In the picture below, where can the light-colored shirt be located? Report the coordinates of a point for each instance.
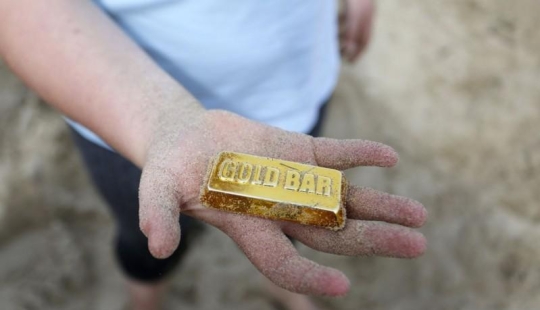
(272, 61)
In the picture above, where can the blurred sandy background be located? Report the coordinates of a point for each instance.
(454, 86)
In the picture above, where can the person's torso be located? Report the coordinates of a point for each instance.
(271, 61)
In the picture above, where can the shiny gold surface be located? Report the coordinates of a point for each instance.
(275, 189)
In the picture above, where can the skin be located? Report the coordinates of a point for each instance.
(91, 71)
(355, 27)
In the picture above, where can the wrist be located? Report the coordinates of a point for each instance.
(164, 123)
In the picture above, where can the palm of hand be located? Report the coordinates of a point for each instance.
(174, 173)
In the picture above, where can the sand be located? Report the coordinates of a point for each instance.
(452, 86)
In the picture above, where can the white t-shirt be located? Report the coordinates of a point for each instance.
(273, 61)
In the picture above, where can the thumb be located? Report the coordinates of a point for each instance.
(159, 210)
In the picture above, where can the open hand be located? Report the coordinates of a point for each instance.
(377, 224)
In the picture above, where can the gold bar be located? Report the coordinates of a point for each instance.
(275, 189)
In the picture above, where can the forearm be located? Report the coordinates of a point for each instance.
(80, 62)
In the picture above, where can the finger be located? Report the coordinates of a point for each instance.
(349, 153)
(355, 47)
(362, 36)
(361, 238)
(159, 202)
(368, 204)
(275, 257)
(351, 50)
(365, 36)
(352, 30)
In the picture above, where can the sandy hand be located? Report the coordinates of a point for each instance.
(377, 224)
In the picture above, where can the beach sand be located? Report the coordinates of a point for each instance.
(453, 86)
